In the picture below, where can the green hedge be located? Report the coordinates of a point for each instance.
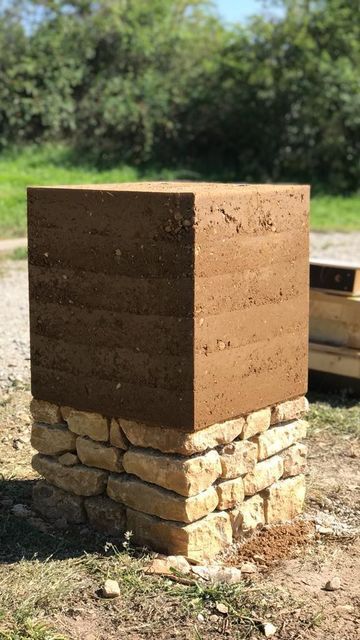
(165, 82)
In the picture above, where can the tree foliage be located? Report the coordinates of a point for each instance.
(166, 82)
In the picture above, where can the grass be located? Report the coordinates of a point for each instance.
(335, 413)
(56, 165)
(336, 213)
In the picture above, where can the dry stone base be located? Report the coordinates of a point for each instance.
(52, 440)
(80, 480)
(294, 459)
(186, 444)
(88, 424)
(263, 475)
(179, 493)
(279, 438)
(106, 516)
(68, 459)
(285, 499)
(187, 476)
(257, 422)
(46, 412)
(94, 454)
(199, 541)
(230, 493)
(289, 410)
(117, 436)
(160, 502)
(237, 458)
(247, 516)
(56, 504)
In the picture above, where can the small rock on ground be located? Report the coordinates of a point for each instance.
(333, 585)
(269, 629)
(111, 589)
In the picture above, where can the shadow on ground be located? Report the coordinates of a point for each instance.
(20, 539)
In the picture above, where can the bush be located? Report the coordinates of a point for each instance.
(167, 82)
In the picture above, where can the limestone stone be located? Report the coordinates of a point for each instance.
(106, 516)
(257, 422)
(53, 439)
(94, 454)
(88, 424)
(198, 541)
(111, 589)
(187, 476)
(263, 475)
(160, 502)
(237, 458)
(294, 459)
(117, 437)
(65, 412)
(230, 493)
(68, 459)
(279, 438)
(289, 410)
(247, 515)
(43, 411)
(285, 499)
(80, 480)
(186, 444)
(54, 503)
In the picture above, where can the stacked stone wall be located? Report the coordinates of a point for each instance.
(178, 493)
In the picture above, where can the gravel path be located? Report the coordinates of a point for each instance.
(337, 246)
(14, 326)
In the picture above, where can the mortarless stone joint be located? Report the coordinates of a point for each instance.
(194, 500)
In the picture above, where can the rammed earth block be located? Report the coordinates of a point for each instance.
(176, 305)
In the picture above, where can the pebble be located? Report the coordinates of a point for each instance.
(111, 589)
(269, 630)
(248, 567)
(166, 565)
(325, 531)
(345, 608)
(229, 575)
(333, 585)
(221, 608)
(21, 511)
(200, 618)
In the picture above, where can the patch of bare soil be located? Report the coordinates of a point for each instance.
(272, 544)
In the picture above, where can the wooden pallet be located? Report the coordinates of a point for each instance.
(342, 278)
(334, 319)
(340, 361)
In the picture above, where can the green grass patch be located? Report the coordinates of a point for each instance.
(335, 413)
(335, 213)
(54, 165)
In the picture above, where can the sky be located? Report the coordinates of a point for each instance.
(235, 10)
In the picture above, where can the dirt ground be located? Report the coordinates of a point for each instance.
(50, 579)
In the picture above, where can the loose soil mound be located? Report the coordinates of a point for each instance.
(269, 546)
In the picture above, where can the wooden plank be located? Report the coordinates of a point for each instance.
(337, 360)
(341, 277)
(334, 319)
